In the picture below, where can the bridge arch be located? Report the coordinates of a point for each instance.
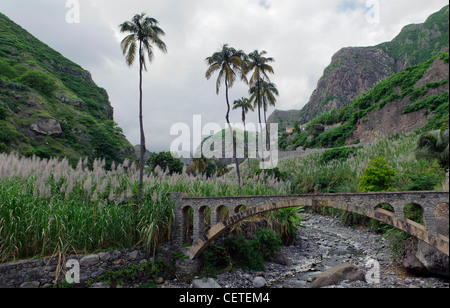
(434, 205)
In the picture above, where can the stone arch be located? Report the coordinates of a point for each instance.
(385, 206)
(204, 221)
(222, 213)
(441, 213)
(240, 208)
(414, 212)
(188, 224)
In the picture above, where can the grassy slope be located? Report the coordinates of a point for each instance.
(71, 98)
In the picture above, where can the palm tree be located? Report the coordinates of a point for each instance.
(434, 145)
(230, 63)
(246, 106)
(267, 92)
(258, 63)
(144, 33)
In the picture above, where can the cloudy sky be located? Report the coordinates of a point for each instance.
(302, 36)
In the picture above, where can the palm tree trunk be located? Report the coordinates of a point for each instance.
(246, 147)
(268, 139)
(141, 121)
(238, 173)
(261, 128)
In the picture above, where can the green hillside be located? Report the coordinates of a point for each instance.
(417, 42)
(423, 88)
(50, 106)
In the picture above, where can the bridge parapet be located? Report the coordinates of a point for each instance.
(434, 205)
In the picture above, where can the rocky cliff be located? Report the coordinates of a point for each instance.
(352, 72)
(50, 106)
(355, 70)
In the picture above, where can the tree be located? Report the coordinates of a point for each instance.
(230, 63)
(377, 177)
(144, 33)
(246, 106)
(434, 145)
(165, 160)
(258, 66)
(267, 94)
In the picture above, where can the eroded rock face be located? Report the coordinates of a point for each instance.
(48, 127)
(353, 71)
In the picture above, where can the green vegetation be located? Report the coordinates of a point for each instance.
(409, 43)
(377, 177)
(38, 83)
(393, 89)
(165, 160)
(248, 254)
(48, 207)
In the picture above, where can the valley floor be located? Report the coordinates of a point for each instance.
(326, 242)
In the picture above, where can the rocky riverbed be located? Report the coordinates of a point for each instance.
(325, 243)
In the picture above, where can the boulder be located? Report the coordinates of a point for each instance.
(259, 282)
(423, 259)
(48, 127)
(205, 284)
(281, 259)
(338, 274)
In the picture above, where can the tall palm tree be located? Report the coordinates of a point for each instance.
(144, 33)
(230, 63)
(258, 66)
(246, 106)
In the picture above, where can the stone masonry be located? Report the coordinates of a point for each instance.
(239, 208)
(44, 273)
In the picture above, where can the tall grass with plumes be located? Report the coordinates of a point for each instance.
(48, 208)
(342, 176)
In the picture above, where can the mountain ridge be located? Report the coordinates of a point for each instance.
(50, 106)
(355, 70)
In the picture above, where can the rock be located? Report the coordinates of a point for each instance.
(48, 127)
(133, 255)
(89, 260)
(280, 258)
(104, 256)
(30, 285)
(259, 282)
(205, 284)
(338, 274)
(187, 269)
(434, 261)
(160, 280)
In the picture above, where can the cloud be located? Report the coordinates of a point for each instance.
(302, 36)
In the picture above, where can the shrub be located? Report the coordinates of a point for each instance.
(38, 81)
(244, 253)
(215, 259)
(3, 111)
(340, 154)
(267, 242)
(377, 177)
(165, 160)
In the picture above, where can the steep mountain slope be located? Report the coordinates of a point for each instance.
(415, 99)
(355, 70)
(50, 106)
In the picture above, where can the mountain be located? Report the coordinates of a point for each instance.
(50, 106)
(416, 99)
(355, 70)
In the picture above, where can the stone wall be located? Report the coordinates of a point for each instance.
(43, 273)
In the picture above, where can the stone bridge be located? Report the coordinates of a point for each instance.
(224, 212)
